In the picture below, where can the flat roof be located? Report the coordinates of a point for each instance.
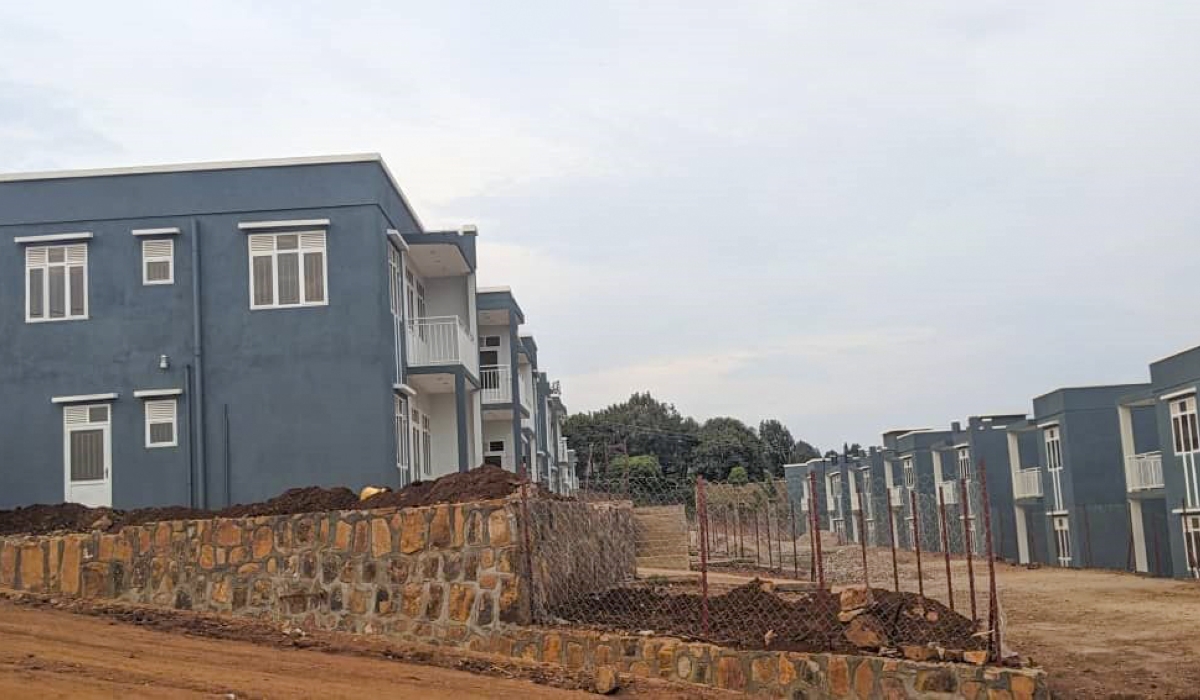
(217, 165)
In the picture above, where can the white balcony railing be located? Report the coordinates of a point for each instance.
(562, 451)
(497, 383)
(441, 340)
(896, 496)
(1027, 483)
(1144, 472)
(949, 492)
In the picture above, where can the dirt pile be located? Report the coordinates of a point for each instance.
(484, 483)
(753, 617)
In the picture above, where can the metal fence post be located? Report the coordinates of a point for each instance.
(862, 537)
(917, 543)
(818, 565)
(892, 536)
(993, 604)
(946, 545)
(966, 518)
(795, 547)
(702, 512)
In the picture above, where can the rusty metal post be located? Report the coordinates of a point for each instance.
(966, 518)
(917, 543)
(757, 546)
(795, 547)
(892, 536)
(862, 537)
(770, 551)
(946, 545)
(817, 563)
(725, 528)
(737, 511)
(993, 600)
(1087, 540)
(702, 512)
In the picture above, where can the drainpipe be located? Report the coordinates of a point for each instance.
(198, 369)
(190, 388)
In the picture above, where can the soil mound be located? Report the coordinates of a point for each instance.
(485, 483)
(751, 617)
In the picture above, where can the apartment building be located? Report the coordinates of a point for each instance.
(1083, 475)
(507, 400)
(208, 334)
(1029, 506)
(1161, 473)
(800, 492)
(910, 455)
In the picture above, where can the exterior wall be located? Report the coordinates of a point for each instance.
(1180, 372)
(988, 440)
(443, 416)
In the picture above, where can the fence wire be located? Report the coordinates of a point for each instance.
(773, 565)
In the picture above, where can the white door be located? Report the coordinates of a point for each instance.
(87, 454)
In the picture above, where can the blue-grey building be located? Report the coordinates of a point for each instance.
(800, 493)
(504, 363)
(1145, 489)
(911, 457)
(1172, 398)
(215, 333)
(1083, 480)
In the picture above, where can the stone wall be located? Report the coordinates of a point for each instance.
(442, 572)
(767, 673)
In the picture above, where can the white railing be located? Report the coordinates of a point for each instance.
(1027, 483)
(1144, 471)
(949, 492)
(497, 383)
(896, 496)
(562, 451)
(441, 340)
(527, 392)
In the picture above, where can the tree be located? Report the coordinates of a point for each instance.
(725, 443)
(803, 452)
(642, 425)
(738, 476)
(778, 445)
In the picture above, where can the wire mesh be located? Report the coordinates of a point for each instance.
(769, 565)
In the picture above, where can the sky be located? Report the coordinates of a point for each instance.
(851, 216)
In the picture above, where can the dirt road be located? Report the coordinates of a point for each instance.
(55, 654)
(1102, 634)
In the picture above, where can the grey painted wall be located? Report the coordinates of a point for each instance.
(308, 390)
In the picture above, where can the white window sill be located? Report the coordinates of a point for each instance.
(162, 445)
(55, 320)
(290, 306)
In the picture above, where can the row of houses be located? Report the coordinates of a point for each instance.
(1098, 476)
(212, 334)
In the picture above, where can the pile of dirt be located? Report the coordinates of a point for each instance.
(485, 483)
(753, 617)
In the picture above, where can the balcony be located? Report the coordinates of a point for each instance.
(563, 456)
(949, 492)
(1144, 472)
(896, 496)
(441, 340)
(497, 383)
(1027, 483)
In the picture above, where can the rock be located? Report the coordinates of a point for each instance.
(917, 653)
(854, 598)
(102, 523)
(866, 632)
(369, 491)
(978, 658)
(607, 680)
(848, 615)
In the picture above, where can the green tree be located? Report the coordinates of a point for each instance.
(738, 476)
(725, 443)
(778, 445)
(642, 425)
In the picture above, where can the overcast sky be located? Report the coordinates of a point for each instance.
(852, 216)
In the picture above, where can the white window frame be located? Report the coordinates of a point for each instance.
(909, 470)
(1185, 443)
(1054, 461)
(422, 442)
(1062, 539)
(78, 249)
(300, 250)
(400, 405)
(966, 470)
(174, 421)
(148, 258)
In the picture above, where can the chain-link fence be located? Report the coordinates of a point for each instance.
(779, 564)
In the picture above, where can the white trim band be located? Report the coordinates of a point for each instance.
(155, 393)
(290, 223)
(405, 389)
(1048, 424)
(53, 237)
(166, 231)
(1177, 394)
(83, 398)
(397, 240)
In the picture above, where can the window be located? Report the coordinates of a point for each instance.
(1184, 434)
(1054, 463)
(1191, 543)
(56, 282)
(428, 446)
(966, 470)
(910, 473)
(160, 423)
(1062, 537)
(422, 443)
(403, 456)
(287, 270)
(496, 446)
(158, 261)
(489, 353)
